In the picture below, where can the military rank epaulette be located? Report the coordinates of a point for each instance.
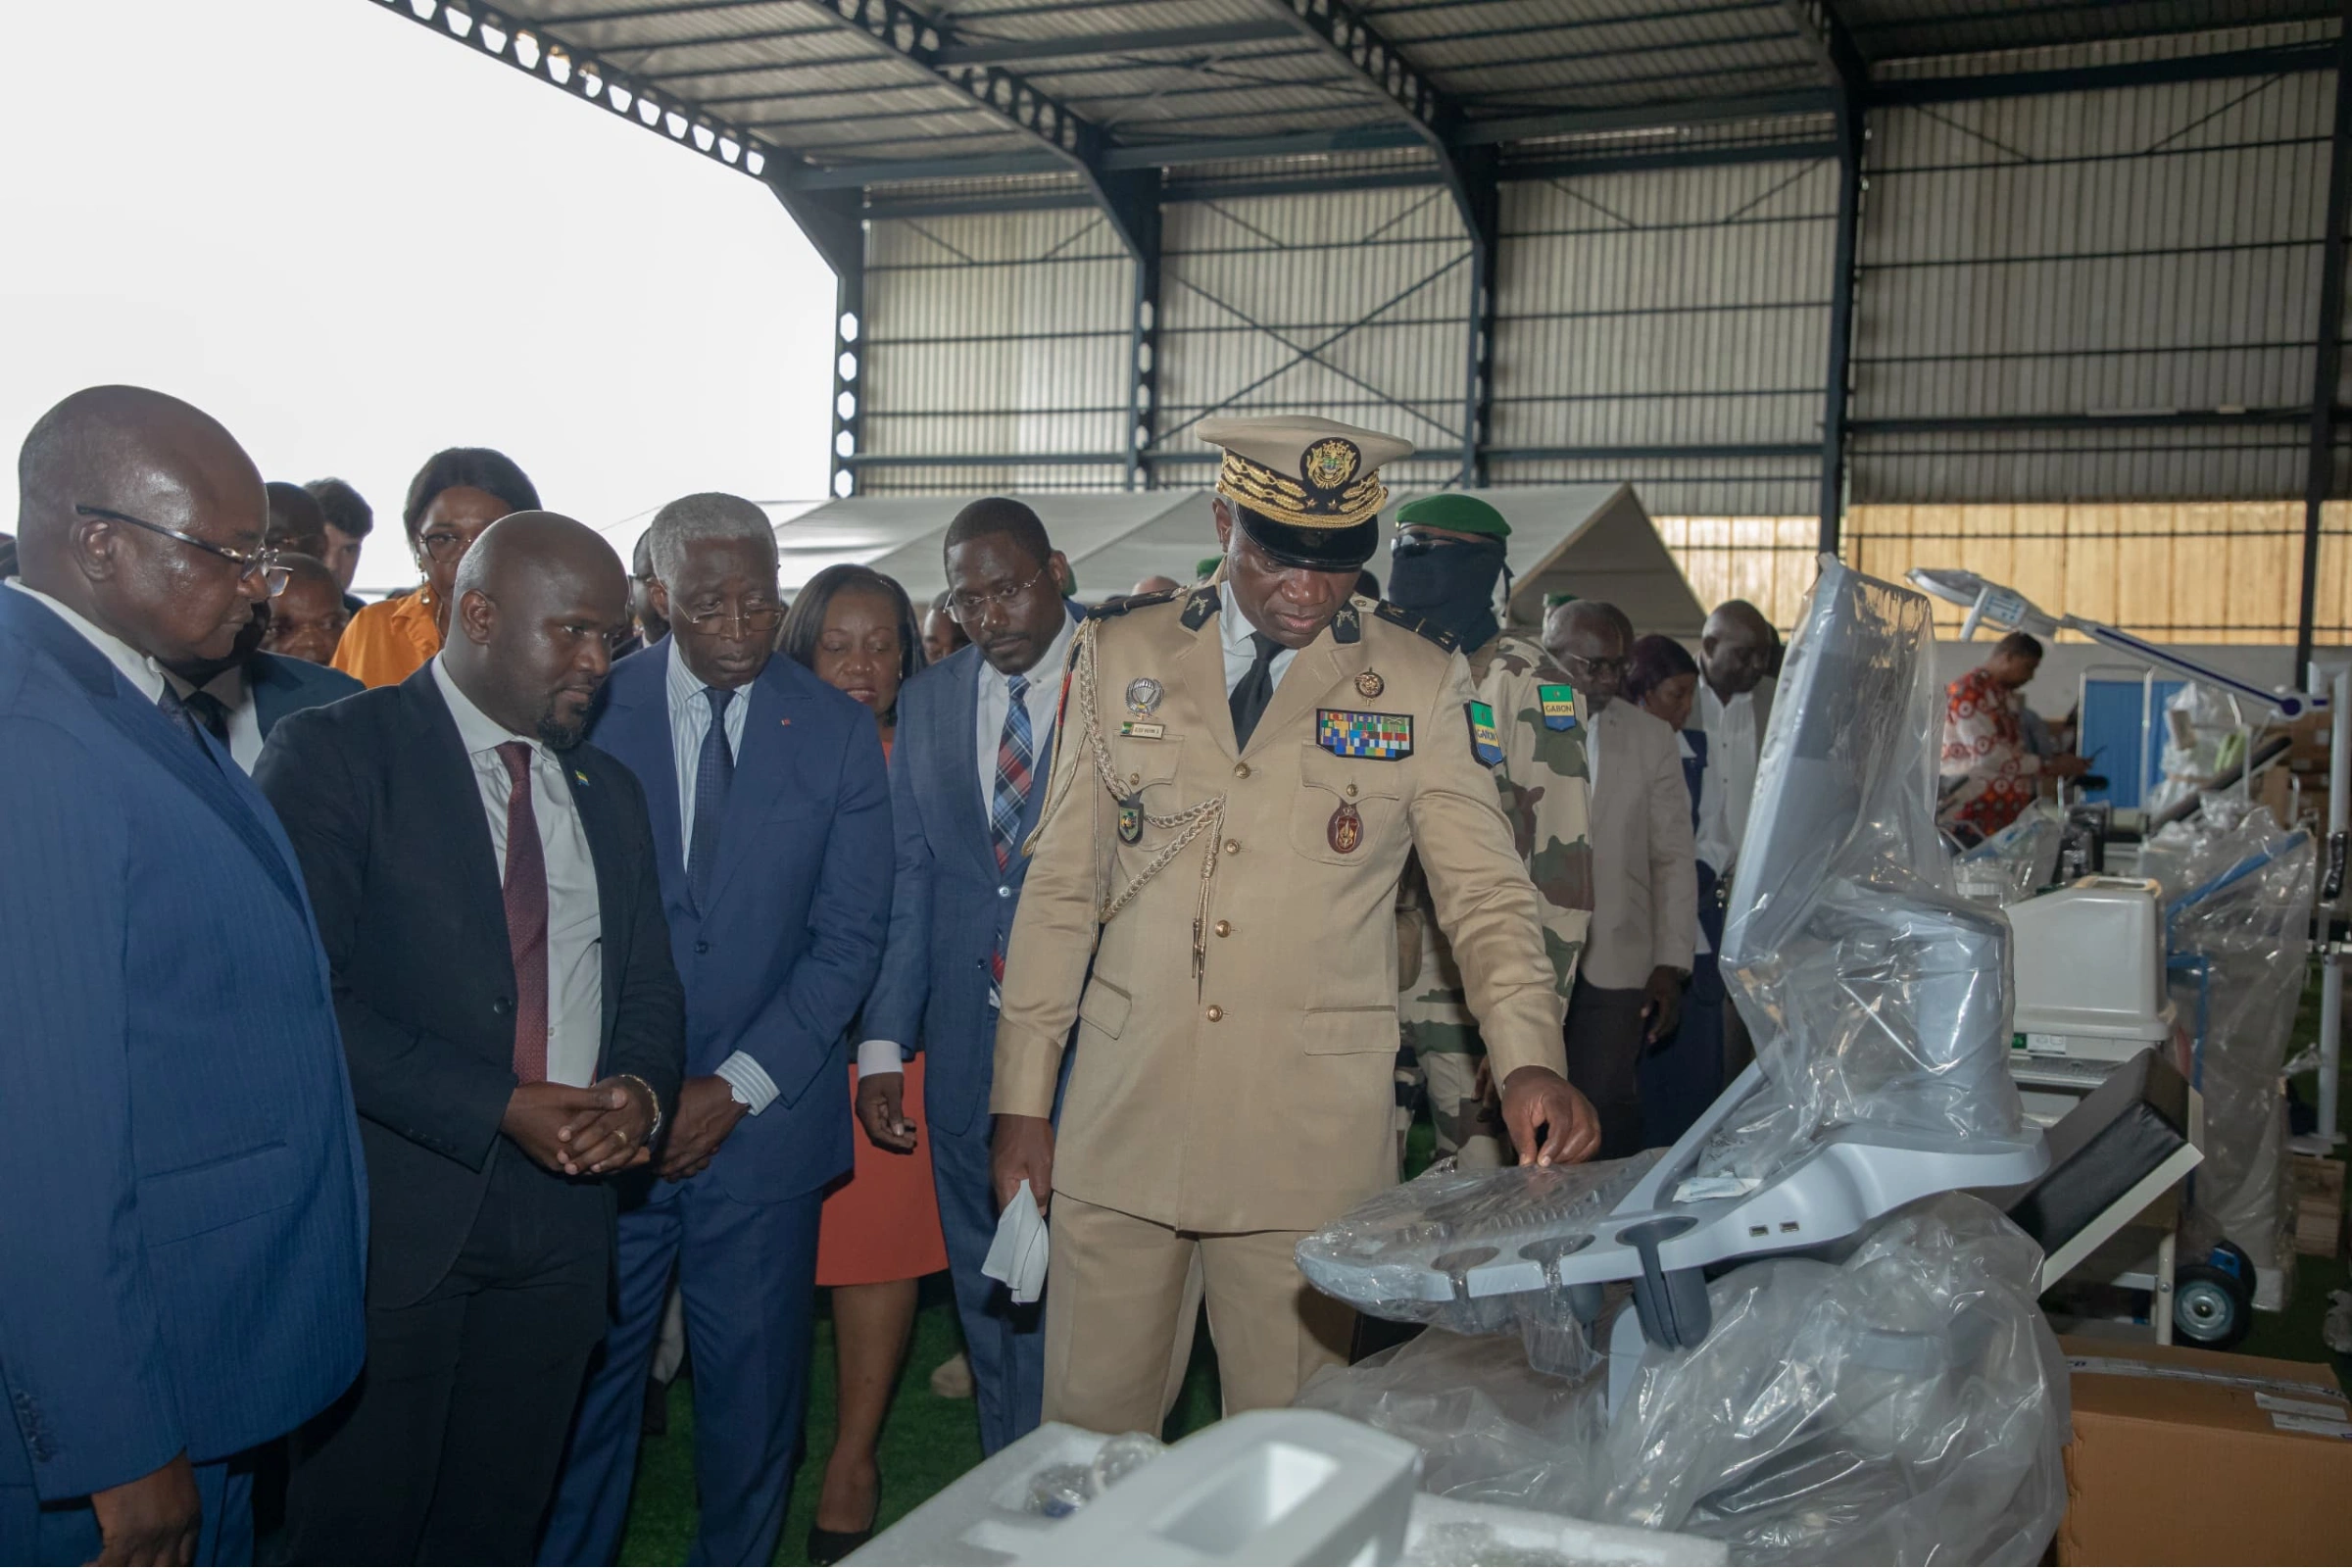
(1411, 622)
(1348, 626)
(1126, 602)
(1201, 606)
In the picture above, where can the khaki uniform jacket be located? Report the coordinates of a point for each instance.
(1242, 1079)
(1545, 784)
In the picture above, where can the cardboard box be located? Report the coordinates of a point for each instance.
(2188, 1456)
(2319, 1213)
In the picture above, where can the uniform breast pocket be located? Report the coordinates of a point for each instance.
(1347, 808)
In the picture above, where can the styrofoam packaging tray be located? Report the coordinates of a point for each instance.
(983, 1517)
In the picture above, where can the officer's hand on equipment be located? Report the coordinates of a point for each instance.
(1023, 1151)
(1549, 1122)
(1664, 1009)
(882, 1111)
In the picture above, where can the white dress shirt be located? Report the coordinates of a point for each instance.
(1233, 631)
(145, 675)
(235, 693)
(1729, 785)
(1040, 699)
(1593, 749)
(748, 1083)
(575, 976)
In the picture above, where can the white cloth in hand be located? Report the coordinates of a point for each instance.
(1017, 1256)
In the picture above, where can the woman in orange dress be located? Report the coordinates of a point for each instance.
(455, 496)
(880, 1232)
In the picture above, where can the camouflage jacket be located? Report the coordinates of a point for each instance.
(1547, 792)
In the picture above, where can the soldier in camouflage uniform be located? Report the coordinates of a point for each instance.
(1448, 561)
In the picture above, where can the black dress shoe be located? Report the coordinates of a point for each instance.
(831, 1545)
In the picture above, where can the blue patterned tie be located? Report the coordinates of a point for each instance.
(713, 774)
(1014, 758)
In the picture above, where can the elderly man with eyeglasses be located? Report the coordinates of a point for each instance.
(771, 835)
(181, 1183)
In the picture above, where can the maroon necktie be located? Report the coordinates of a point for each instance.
(527, 916)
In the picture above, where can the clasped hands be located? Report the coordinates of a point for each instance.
(582, 1132)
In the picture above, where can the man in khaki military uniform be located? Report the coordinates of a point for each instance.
(1243, 769)
(1446, 566)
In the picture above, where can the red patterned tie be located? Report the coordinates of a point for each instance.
(527, 916)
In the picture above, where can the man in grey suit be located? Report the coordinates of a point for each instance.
(1645, 880)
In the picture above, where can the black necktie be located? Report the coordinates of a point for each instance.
(209, 711)
(714, 775)
(1256, 690)
(182, 720)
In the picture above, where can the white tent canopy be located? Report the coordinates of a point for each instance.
(1592, 540)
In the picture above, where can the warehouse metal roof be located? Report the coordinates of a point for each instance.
(1027, 98)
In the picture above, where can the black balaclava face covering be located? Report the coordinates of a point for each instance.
(1450, 581)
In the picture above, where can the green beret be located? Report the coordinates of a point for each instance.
(1207, 565)
(1556, 600)
(1461, 514)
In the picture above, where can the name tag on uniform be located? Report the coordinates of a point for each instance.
(1136, 730)
(1559, 706)
(1485, 740)
(1376, 737)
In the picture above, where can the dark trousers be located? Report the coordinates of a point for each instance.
(1604, 1054)
(34, 1532)
(1007, 1343)
(1682, 1077)
(445, 1450)
(749, 1275)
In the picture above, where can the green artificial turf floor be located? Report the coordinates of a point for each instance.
(928, 1441)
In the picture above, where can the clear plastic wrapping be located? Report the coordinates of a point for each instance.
(1874, 994)
(2241, 893)
(1907, 1405)
(2014, 863)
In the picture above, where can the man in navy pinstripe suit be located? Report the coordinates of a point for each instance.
(181, 1201)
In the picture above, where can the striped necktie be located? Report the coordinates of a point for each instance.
(1015, 755)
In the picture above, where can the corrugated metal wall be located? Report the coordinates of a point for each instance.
(1646, 312)
(995, 333)
(1349, 305)
(2124, 254)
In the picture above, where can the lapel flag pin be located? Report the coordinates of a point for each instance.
(582, 777)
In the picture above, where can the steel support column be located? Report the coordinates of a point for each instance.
(1479, 172)
(1832, 46)
(1142, 191)
(833, 221)
(2328, 356)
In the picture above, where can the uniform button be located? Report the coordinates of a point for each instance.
(1233, 846)
(1135, 778)
(702, 948)
(502, 1007)
(1224, 928)
(1241, 770)
(1003, 893)
(1216, 1014)
(1351, 792)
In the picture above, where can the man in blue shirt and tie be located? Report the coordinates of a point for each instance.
(771, 825)
(973, 750)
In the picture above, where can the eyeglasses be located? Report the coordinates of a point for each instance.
(446, 548)
(1600, 667)
(966, 609)
(750, 618)
(261, 562)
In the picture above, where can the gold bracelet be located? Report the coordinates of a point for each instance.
(631, 1077)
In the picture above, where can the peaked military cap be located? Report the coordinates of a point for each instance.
(1309, 489)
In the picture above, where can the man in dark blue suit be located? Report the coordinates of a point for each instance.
(771, 826)
(967, 776)
(181, 1204)
(240, 698)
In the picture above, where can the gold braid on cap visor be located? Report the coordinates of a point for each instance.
(1282, 499)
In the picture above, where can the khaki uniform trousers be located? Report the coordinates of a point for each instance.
(1114, 1318)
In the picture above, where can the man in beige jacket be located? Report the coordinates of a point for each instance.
(1243, 769)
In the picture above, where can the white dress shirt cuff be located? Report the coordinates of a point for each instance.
(879, 1055)
(748, 1082)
